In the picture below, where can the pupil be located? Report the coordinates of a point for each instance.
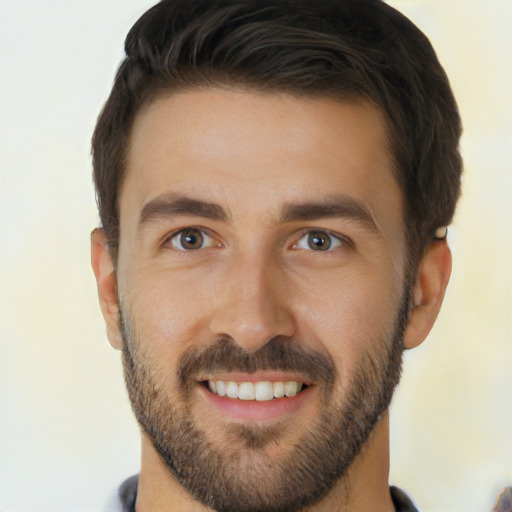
(192, 239)
(319, 241)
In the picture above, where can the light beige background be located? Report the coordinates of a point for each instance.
(67, 437)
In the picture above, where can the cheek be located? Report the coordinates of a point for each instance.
(352, 315)
(167, 311)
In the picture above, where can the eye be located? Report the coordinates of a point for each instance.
(318, 241)
(192, 239)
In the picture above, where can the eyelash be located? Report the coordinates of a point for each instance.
(173, 238)
(336, 240)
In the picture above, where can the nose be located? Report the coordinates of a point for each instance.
(253, 305)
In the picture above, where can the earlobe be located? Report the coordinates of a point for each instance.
(106, 280)
(428, 292)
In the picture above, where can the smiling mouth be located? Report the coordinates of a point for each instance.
(263, 391)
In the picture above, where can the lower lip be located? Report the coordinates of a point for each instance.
(253, 410)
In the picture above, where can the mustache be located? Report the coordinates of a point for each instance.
(224, 355)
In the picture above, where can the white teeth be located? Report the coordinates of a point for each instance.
(232, 389)
(259, 391)
(278, 389)
(264, 391)
(246, 391)
(221, 388)
(290, 389)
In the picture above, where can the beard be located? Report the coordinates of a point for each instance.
(244, 468)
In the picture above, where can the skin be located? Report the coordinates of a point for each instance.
(257, 278)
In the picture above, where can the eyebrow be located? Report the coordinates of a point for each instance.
(170, 205)
(334, 207)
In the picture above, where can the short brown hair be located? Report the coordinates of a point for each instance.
(338, 48)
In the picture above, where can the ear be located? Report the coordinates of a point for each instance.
(106, 280)
(428, 293)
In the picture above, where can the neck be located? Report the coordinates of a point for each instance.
(364, 488)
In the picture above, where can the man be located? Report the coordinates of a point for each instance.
(274, 180)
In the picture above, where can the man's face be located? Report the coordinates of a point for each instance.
(262, 252)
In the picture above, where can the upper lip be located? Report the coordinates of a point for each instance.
(258, 376)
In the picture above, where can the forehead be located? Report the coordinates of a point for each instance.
(254, 152)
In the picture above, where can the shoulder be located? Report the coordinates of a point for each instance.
(401, 501)
(124, 499)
